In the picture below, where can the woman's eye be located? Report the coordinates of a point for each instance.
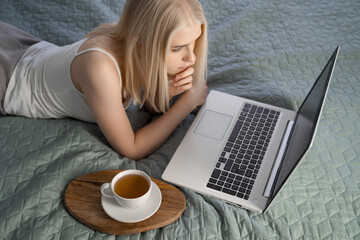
(176, 49)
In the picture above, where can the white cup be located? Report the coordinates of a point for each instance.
(108, 190)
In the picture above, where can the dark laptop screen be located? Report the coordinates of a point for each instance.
(305, 124)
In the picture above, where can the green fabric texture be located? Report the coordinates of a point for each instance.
(266, 50)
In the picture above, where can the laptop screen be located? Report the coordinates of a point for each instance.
(305, 124)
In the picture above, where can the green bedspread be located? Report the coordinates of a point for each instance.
(267, 50)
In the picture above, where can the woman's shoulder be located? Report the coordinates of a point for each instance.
(96, 60)
(99, 50)
(104, 43)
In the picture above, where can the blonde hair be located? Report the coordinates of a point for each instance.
(144, 33)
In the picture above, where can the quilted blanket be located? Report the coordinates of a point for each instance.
(267, 50)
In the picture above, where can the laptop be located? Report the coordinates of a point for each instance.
(242, 151)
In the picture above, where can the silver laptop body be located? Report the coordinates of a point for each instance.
(200, 161)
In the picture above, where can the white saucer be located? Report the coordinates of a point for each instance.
(115, 211)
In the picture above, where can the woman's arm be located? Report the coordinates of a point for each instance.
(151, 136)
(98, 79)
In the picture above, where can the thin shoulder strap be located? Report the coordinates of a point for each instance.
(107, 54)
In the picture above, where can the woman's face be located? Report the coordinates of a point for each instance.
(181, 54)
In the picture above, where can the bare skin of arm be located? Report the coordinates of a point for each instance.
(95, 75)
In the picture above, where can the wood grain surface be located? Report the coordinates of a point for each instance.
(83, 201)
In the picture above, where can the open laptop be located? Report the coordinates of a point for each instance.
(242, 151)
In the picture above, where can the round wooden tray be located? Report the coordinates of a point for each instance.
(83, 201)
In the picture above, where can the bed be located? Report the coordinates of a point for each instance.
(266, 50)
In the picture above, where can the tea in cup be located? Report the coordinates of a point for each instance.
(130, 188)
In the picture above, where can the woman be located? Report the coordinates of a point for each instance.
(156, 51)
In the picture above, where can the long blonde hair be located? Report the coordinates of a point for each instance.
(144, 33)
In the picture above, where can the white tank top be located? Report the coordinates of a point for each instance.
(41, 85)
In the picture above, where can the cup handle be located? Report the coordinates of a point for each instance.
(106, 190)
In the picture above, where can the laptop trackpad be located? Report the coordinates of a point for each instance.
(213, 125)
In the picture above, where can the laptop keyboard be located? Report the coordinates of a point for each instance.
(241, 158)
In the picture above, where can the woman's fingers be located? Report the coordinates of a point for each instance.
(184, 87)
(181, 75)
(183, 81)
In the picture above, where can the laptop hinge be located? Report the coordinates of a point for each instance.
(278, 159)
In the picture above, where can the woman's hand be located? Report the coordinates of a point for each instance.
(195, 96)
(180, 82)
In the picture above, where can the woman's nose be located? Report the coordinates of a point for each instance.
(189, 56)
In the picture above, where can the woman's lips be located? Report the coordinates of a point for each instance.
(183, 68)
